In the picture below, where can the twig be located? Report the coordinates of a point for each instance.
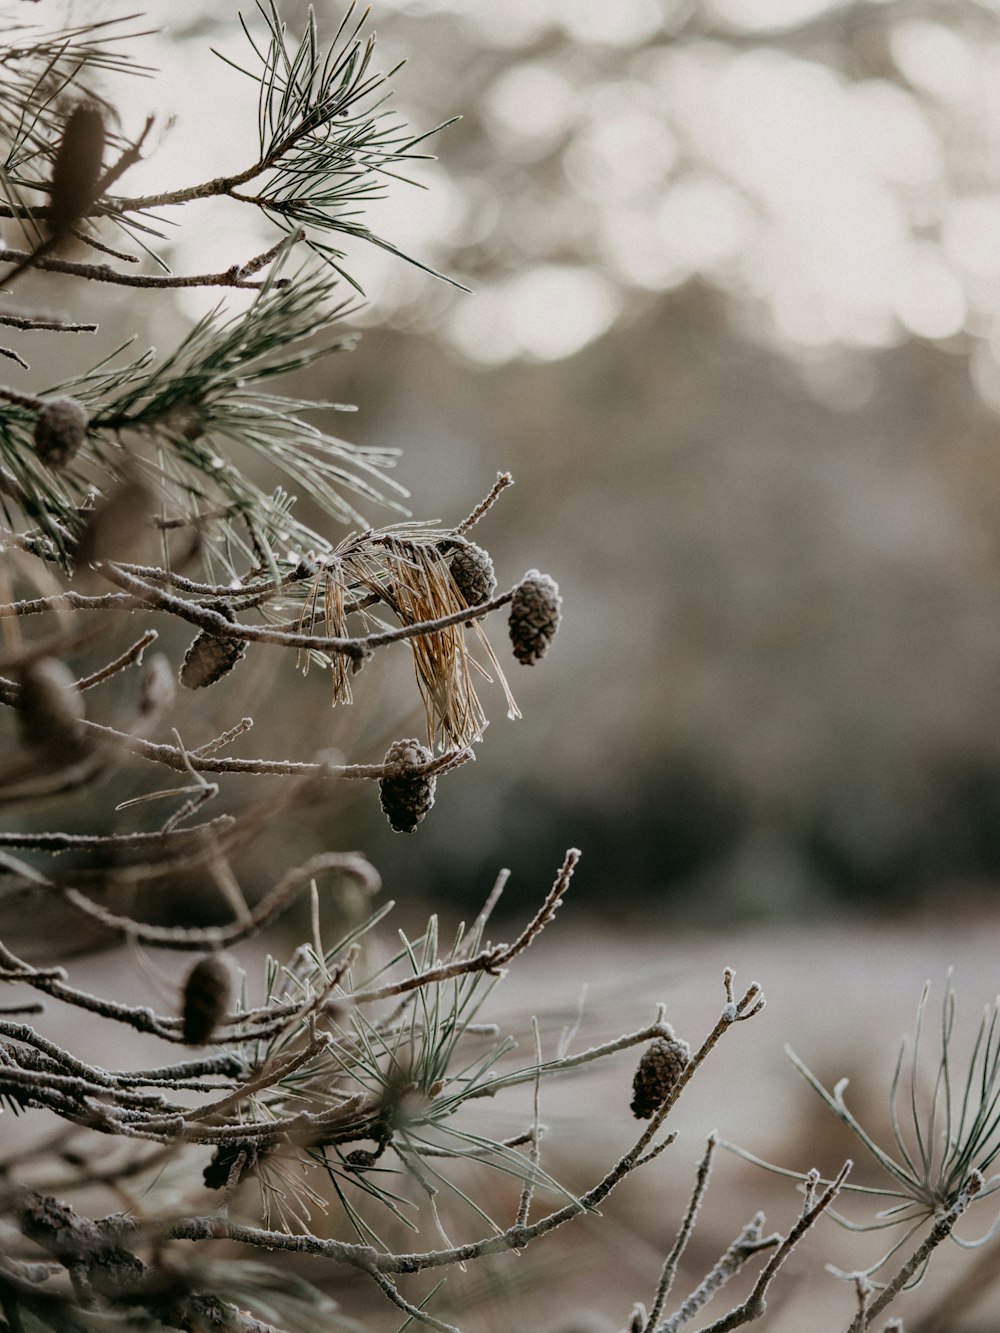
(748, 1243)
(171, 756)
(48, 324)
(683, 1235)
(504, 479)
(95, 244)
(130, 655)
(357, 648)
(528, 1190)
(257, 585)
(73, 601)
(943, 1226)
(231, 277)
(755, 1304)
(64, 842)
(565, 1064)
(224, 739)
(217, 937)
(490, 960)
(52, 981)
(413, 1311)
(862, 1291)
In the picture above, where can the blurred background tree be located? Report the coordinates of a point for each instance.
(736, 268)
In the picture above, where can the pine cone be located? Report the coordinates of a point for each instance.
(211, 656)
(472, 570)
(77, 169)
(49, 709)
(663, 1061)
(216, 1174)
(60, 430)
(407, 795)
(534, 616)
(206, 998)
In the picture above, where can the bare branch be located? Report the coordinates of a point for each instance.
(683, 1235)
(755, 1304)
(231, 277)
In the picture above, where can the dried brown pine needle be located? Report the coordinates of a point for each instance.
(420, 587)
(336, 623)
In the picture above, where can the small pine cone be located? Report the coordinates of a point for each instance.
(361, 1158)
(216, 1174)
(206, 998)
(60, 430)
(211, 656)
(49, 708)
(187, 420)
(663, 1061)
(77, 169)
(472, 570)
(406, 796)
(534, 616)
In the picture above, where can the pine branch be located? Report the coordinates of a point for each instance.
(326, 147)
(235, 276)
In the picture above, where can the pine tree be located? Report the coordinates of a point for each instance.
(325, 1101)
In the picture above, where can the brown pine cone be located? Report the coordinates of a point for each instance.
(662, 1063)
(407, 795)
(60, 430)
(77, 169)
(472, 570)
(206, 998)
(224, 1158)
(49, 709)
(211, 656)
(534, 616)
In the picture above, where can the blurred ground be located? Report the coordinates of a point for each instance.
(842, 994)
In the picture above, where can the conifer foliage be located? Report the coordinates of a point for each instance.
(182, 1151)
